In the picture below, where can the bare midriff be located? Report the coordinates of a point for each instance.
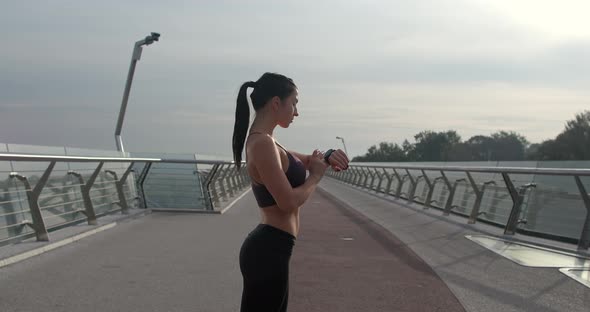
(286, 221)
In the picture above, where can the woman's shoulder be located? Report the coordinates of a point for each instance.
(259, 145)
(259, 139)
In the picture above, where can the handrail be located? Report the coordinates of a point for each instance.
(33, 192)
(357, 172)
(35, 157)
(513, 170)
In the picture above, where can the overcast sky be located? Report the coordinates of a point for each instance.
(368, 71)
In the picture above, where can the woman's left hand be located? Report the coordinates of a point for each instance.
(338, 160)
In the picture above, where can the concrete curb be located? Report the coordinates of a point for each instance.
(46, 248)
(29, 248)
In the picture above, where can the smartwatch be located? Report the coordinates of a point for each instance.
(327, 155)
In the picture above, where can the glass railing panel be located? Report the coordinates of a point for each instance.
(464, 197)
(11, 208)
(60, 202)
(373, 181)
(440, 194)
(496, 203)
(421, 191)
(555, 205)
(57, 199)
(521, 181)
(407, 181)
(173, 186)
(394, 182)
(104, 193)
(500, 202)
(14, 206)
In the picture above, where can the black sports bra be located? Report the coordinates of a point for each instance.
(296, 174)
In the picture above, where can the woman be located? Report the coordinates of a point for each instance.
(279, 185)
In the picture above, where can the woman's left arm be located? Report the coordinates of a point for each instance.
(338, 159)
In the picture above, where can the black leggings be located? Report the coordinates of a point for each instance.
(264, 262)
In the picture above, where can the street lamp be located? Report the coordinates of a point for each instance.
(134, 58)
(342, 139)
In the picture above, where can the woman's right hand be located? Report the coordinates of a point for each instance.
(317, 165)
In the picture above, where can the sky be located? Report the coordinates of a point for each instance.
(368, 71)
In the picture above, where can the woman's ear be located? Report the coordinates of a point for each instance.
(276, 103)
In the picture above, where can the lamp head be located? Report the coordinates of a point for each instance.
(151, 38)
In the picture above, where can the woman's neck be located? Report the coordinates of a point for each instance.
(262, 126)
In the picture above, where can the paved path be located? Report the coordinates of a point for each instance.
(345, 262)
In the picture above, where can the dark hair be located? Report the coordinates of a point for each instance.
(267, 87)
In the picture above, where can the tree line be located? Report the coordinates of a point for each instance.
(573, 143)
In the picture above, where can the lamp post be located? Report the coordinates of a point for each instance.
(134, 58)
(342, 139)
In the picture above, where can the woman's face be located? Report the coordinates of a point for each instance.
(288, 110)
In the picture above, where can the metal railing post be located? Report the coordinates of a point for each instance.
(374, 175)
(244, 177)
(211, 193)
(85, 190)
(119, 183)
(382, 178)
(429, 184)
(517, 200)
(449, 204)
(33, 194)
(412, 189)
(142, 177)
(412, 196)
(239, 178)
(235, 182)
(366, 175)
(475, 191)
(389, 181)
(233, 188)
(584, 242)
(429, 201)
(448, 184)
(479, 197)
(357, 176)
(348, 176)
(400, 184)
(227, 178)
(220, 178)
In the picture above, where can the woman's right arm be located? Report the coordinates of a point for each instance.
(267, 161)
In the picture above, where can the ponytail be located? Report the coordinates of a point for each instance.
(242, 122)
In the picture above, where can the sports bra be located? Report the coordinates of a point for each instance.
(296, 174)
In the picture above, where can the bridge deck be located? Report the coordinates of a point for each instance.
(343, 261)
